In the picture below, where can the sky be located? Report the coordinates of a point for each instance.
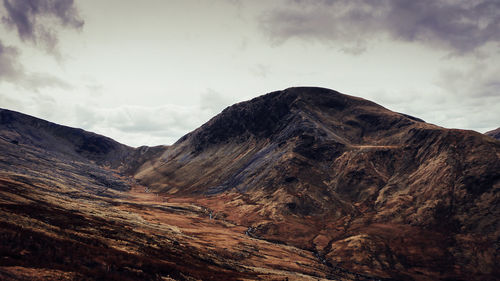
(147, 72)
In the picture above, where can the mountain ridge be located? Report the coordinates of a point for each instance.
(261, 116)
(64, 139)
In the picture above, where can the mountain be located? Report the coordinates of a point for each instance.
(494, 133)
(19, 128)
(70, 143)
(346, 178)
(304, 183)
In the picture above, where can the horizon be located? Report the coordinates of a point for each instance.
(149, 73)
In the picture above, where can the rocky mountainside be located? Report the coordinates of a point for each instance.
(346, 178)
(304, 183)
(19, 128)
(494, 133)
(71, 143)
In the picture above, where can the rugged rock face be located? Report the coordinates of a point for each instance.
(304, 183)
(494, 133)
(347, 178)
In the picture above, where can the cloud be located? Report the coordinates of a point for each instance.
(444, 107)
(7, 101)
(260, 70)
(473, 96)
(145, 125)
(94, 89)
(458, 26)
(479, 80)
(35, 20)
(214, 102)
(466, 97)
(37, 80)
(12, 71)
(139, 125)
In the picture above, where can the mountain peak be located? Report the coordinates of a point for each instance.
(290, 112)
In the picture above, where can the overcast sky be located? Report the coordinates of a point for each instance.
(147, 72)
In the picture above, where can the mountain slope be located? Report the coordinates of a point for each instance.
(494, 133)
(71, 143)
(346, 178)
(19, 128)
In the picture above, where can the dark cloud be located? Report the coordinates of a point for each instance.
(14, 72)
(10, 69)
(460, 26)
(35, 20)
